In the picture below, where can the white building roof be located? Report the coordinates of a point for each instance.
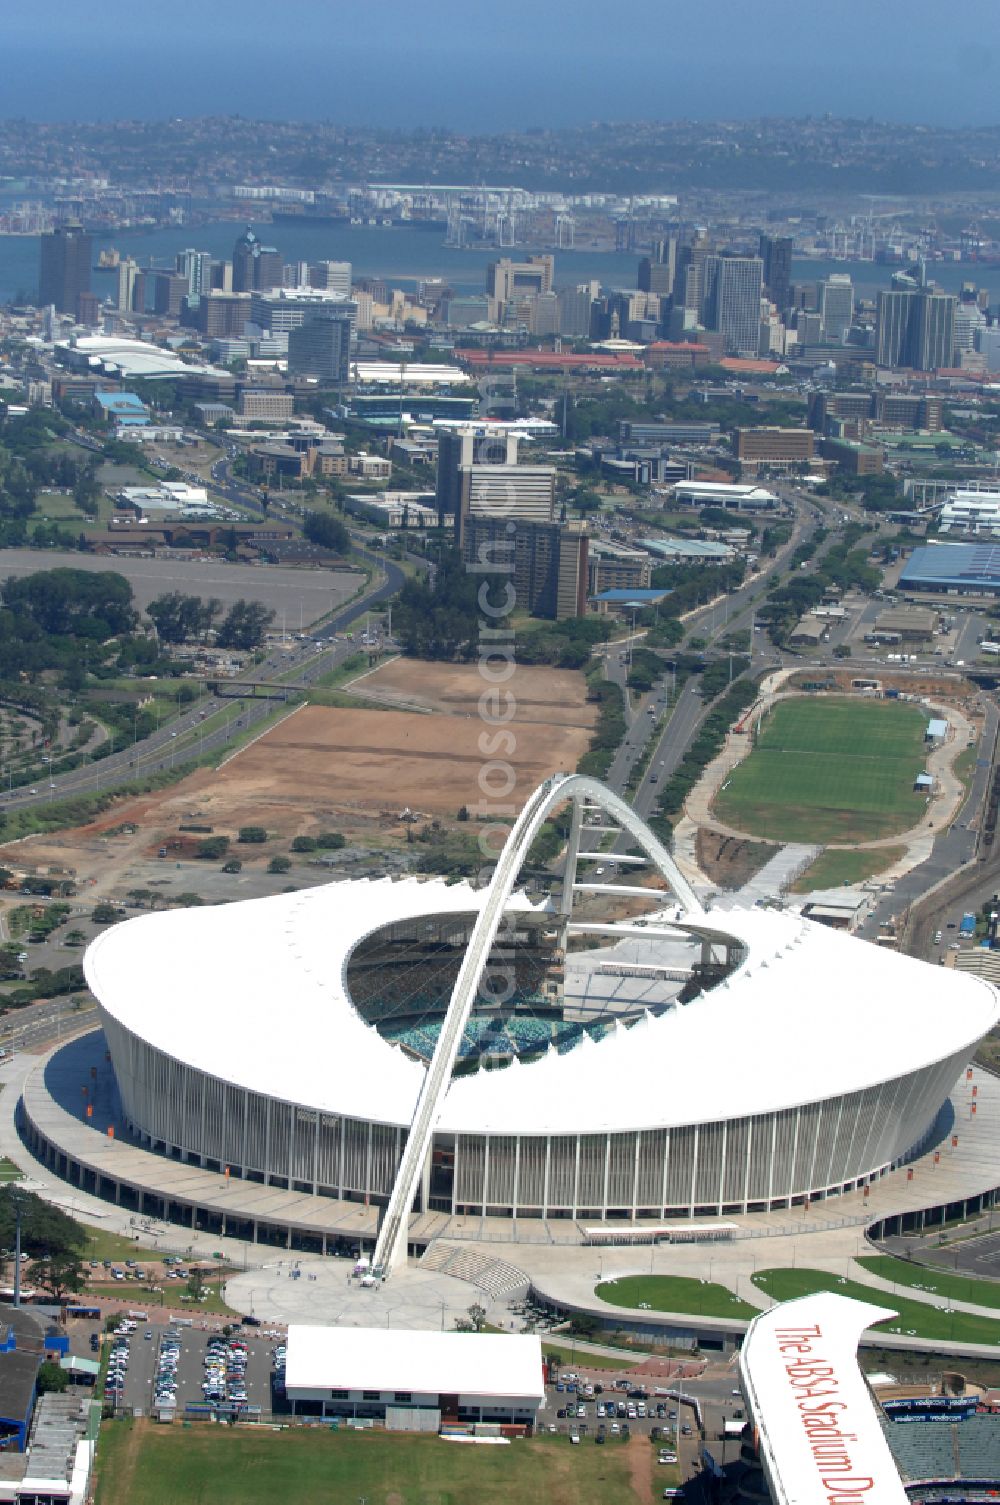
(818, 1428)
(111, 353)
(410, 373)
(423, 1363)
(255, 993)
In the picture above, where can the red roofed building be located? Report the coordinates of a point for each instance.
(547, 360)
(672, 353)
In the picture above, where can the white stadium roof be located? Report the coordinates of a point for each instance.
(255, 992)
(817, 1426)
(424, 1363)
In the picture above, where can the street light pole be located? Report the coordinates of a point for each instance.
(15, 1198)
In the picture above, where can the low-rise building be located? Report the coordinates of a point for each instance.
(424, 1378)
(369, 467)
(266, 404)
(776, 448)
(394, 509)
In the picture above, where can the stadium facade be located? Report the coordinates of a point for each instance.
(793, 1064)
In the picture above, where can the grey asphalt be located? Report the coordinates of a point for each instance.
(301, 596)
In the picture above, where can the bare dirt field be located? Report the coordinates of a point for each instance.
(322, 769)
(552, 697)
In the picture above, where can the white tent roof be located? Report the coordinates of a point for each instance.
(423, 1363)
(817, 1426)
(255, 993)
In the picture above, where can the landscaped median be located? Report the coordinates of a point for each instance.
(675, 1293)
(916, 1319)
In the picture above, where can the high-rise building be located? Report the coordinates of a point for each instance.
(321, 346)
(286, 308)
(508, 281)
(196, 268)
(689, 278)
(461, 449)
(776, 255)
(256, 267)
(575, 307)
(64, 267)
(546, 562)
(656, 273)
(734, 302)
(331, 276)
(129, 277)
(169, 291)
(915, 328)
(969, 318)
(835, 297)
(223, 315)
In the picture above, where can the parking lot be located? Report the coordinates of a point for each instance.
(155, 1364)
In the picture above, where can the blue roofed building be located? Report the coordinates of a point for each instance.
(621, 601)
(954, 569)
(123, 409)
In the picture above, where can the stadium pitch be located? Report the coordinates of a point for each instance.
(831, 770)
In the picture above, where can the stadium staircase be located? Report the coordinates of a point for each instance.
(494, 1276)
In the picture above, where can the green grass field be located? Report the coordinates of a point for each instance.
(829, 770)
(221, 1466)
(839, 865)
(941, 1283)
(915, 1317)
(675, 1293)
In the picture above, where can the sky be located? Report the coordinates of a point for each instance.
(479, 67)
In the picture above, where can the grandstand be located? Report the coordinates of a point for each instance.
(960, 1457)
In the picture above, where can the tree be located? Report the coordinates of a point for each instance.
(45, 1231)
(279, 865)
(303, 844)
(106, 914)
(59, 1275)
(326, 532)
(245, 625)
(212, 848)
(178, 617)
(252, 834)
(52, 1378)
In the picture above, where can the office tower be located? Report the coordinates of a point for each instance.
(285, 308)
(321, 346)
(128, 276)
(575, 307)
(223, 315)
(256, 267)
(507, 280)
(196, 268)
(893, 310)
(689, 277)
(64, 267)
(88, 310)
(545, 562)
(331, 276)
(295, 274)
(915, 328)
(657, 272)
(935, 331)
(221, 280)
(458, 451)
(988, 345)
(776, 255)
(835, 297)
(969, 318)
(544, 314)
(169, 291)
(734, 303)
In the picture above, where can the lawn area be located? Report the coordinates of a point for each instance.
(570, 1352)
(942, 1283)
(237, 1466)
(9, 1171)
(839, 865)
(103, 1244)
(831, 770)
(675, 1293)
(915, 1317)
(137, 1294)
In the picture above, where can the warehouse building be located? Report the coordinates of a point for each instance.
(415, 1381)
(953, 569)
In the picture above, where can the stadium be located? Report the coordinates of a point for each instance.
(423, 1046)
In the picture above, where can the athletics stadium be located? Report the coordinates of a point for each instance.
(402, 1054)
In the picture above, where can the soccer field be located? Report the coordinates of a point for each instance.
(202, 1465)
(829, 771)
